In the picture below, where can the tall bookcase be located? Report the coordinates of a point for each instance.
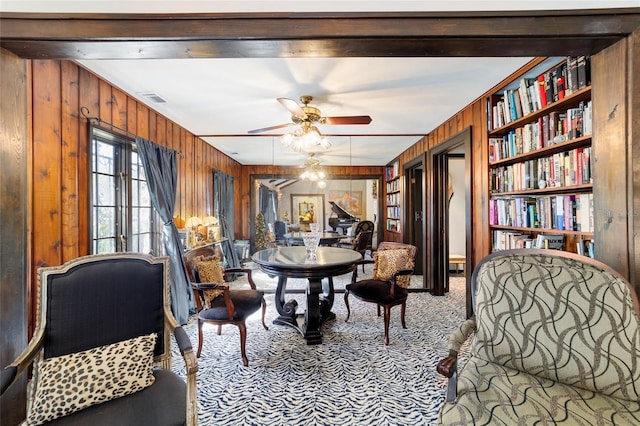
(393, 225)
(539, 135)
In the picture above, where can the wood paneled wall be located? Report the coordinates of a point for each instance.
(471, 116)
(14, 241)
(60, 156)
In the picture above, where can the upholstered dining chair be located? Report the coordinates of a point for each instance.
(216, 302)
(361, 243)
(361, 226)
(393, 265)
(101, 349)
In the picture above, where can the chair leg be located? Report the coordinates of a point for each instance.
(264, 311)
(199, 338)
(219, 329)
(346, 303)
(387, 314)
(403, 309)
(378, 308)
(243, 340)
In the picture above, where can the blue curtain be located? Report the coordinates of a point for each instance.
(268, 201)
(161, 168)
(224, 210)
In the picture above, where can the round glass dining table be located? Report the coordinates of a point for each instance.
(326, 238)
(293, 262)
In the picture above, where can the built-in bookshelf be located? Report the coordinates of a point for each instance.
(540, 161)
(393, 199)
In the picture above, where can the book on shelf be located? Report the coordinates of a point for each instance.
(534, 93)
(585, 248)
(550, 241)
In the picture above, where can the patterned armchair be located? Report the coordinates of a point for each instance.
(557, 340)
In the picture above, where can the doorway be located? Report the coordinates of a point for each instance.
(414, 213)
(414, 232)
(439, 196)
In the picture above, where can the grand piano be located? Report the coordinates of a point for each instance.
(343, 218)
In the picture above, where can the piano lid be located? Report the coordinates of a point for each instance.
(342, 213)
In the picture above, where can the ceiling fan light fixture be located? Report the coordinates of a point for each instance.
(306, 138)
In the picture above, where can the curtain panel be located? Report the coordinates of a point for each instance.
(224, 210)
(161, 166)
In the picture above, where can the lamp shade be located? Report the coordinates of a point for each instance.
(193, 221)
(209, 220)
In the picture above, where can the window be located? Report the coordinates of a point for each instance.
(122, 217)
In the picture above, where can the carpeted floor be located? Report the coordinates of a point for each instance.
(350, 379)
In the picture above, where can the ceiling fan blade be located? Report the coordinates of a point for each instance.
(266, 129)
(354, 119)
(293, 107)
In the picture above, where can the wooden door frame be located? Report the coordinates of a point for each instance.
(407, 219)
(436, 194)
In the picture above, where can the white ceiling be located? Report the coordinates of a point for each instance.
(232, 96)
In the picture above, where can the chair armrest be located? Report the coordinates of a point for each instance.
(246, 271)
(208, 286)
(461, 334)
(401, 272)
(184, 344)
(186, 350)
(7, 376)
(354, 277)
(12, 371)
(395, 276)
(448, 367)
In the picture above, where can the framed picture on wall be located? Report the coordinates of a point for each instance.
(306, 209)
(350, 201)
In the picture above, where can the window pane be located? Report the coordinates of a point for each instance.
(106, 222)
(145, 199)
(121, 204)
(105, 158)
(106, 245)
(106, 190)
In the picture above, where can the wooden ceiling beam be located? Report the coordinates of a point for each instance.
(522, 33)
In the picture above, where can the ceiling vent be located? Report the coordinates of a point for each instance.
(154, 97)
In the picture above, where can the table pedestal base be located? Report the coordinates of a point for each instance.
(319, 304)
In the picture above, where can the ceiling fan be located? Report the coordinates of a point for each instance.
(307, 115)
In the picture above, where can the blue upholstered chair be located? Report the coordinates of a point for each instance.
(101, 350)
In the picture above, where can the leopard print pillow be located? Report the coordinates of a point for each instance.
(210, 271)
(390, 261)
(69, 383)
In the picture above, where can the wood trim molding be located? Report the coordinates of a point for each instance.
(144, 36)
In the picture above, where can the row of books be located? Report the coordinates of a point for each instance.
(394, 185)
(393, 212)
(507, 240)
(535, 93)
(562, 169)
(392, 171)
(393, 198)
(571, 212)
(393, 225)
(551, 129)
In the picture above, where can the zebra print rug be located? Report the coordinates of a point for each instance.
(350, 379)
